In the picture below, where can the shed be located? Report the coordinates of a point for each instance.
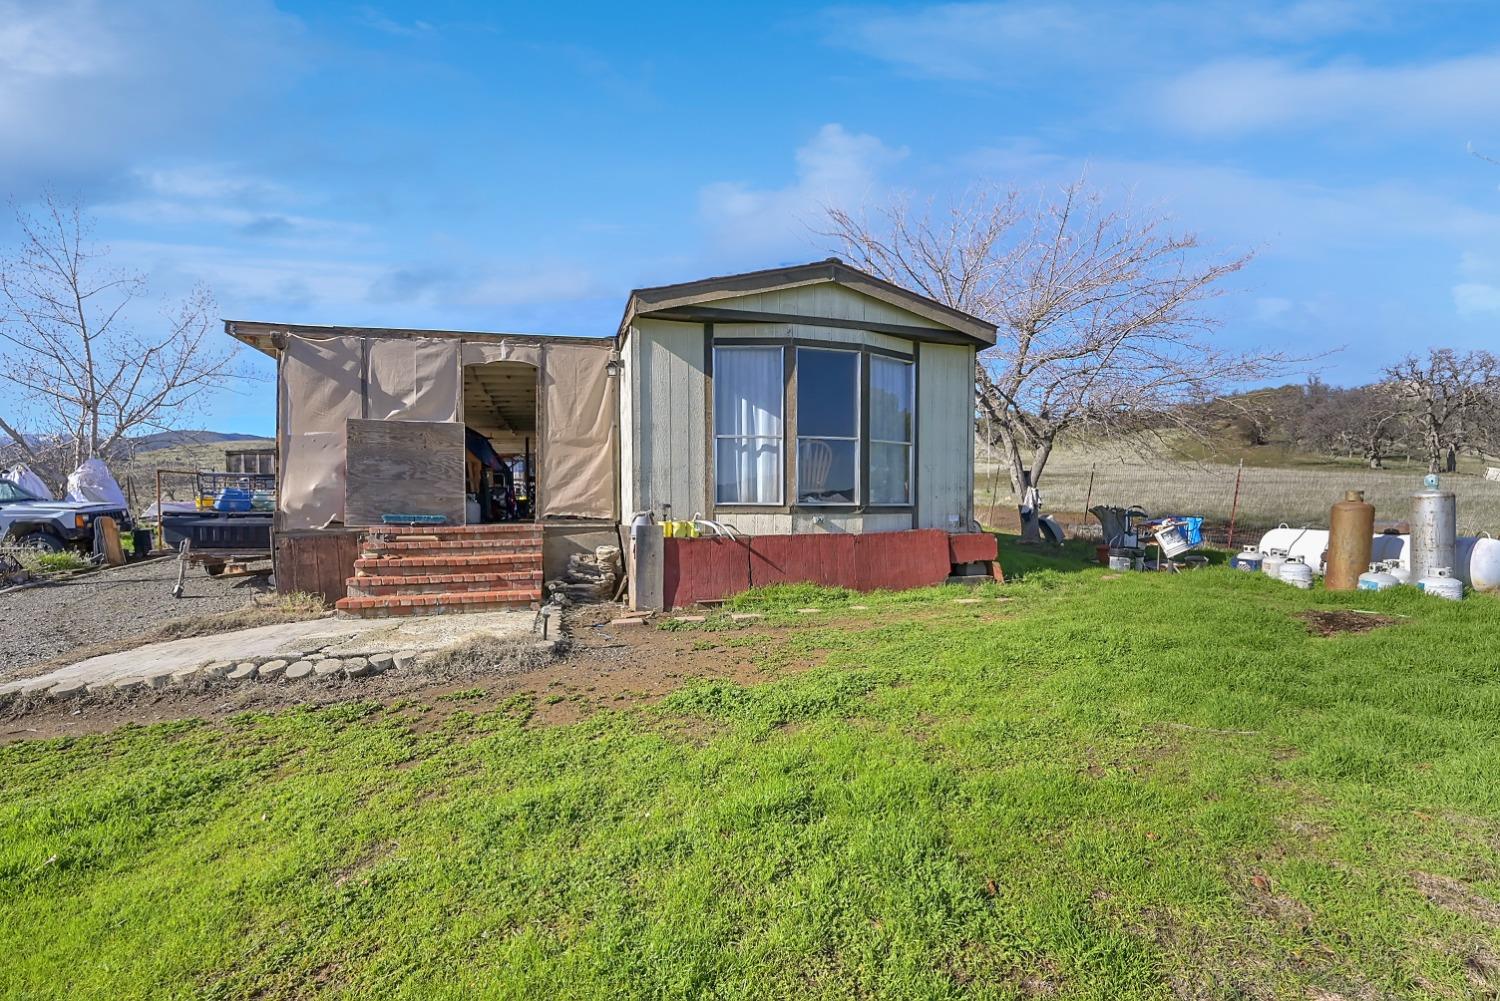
(795, 401)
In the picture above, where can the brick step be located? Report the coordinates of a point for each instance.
(478, 545)
(443, 603)
(457, 563)
(521, 528)
(374, 586)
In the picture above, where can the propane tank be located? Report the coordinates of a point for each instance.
(1297, 573)
(1271, 565)
(1351, 526)
(1377, 578)
(1248, 559)
(1434, 530)
(1398, 570)
(1443, 584)
(1479, 562)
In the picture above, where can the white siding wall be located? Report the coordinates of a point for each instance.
(945, 436)
(671, 466)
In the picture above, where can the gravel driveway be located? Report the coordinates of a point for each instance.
(40, 623)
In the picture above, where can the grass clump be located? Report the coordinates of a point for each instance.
(1136, 786)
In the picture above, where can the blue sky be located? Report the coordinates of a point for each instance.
(499, 167)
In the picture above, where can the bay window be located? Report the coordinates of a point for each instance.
(748, 425)
(852, 428)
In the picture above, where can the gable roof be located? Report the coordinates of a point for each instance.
(687, 300)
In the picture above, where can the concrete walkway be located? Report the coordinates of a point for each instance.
(331, 637)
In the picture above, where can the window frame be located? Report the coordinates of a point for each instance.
(715, 437)
(859, 436)
(910, 444)
(910, 353)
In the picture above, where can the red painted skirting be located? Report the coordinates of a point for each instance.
(708, 569)
(976, 547)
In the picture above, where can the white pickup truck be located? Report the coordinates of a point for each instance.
(52, 525)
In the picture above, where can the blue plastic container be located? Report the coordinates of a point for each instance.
(233, 499)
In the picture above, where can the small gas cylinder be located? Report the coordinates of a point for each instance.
(1296, 573)
(1443, 584)
(1248, 559)
(1271, 565)
(1377, 578)
(1398, 570)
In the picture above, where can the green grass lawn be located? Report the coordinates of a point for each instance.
(1139, 787)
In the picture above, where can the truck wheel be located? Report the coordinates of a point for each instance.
(42, 541)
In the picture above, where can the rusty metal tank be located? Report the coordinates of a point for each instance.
(1434, 530)
(1351, 527)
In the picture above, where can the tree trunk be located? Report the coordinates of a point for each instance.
(1451, 465)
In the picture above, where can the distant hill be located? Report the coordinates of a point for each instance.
(166, 439)
(172, 439)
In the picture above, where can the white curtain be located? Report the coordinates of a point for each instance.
(748, 386)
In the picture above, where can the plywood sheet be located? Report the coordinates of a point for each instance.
(404, 467)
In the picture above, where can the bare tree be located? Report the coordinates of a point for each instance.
(1450, 400)
(77, 379)
(1103, 330)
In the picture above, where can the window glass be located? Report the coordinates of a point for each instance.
(827, 393)
(892, 426)
(748, 406)
(827, 426)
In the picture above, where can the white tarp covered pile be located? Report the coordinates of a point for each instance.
(22, 476)
(91, 483)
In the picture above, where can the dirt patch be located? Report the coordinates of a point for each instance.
(1454, 895)
(1330, 622)
(601, 667)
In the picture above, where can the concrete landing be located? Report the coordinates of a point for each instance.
(335, 637)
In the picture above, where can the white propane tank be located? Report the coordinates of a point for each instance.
(1271, 565)
(1308, 543)
(1377, 578)
(1479, 562)
(1296, 573)
(1248, 559)
(1443, 584)
(1398, 570)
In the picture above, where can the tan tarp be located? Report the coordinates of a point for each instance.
(321, 387)
(577, 471)
(413, 379)
(323, 384)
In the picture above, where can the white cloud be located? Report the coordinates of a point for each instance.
(224, 197)
(372, 17)
(1012, 40)
(1281, 216)
(835, 167)
(88, 85)
(1479, 290)
(1238, 96)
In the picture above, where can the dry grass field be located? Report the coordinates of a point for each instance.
(1298, 495)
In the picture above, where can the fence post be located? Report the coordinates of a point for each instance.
(1089, 496)
(1234, 507)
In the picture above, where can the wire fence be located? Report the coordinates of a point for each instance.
(1254, 499)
